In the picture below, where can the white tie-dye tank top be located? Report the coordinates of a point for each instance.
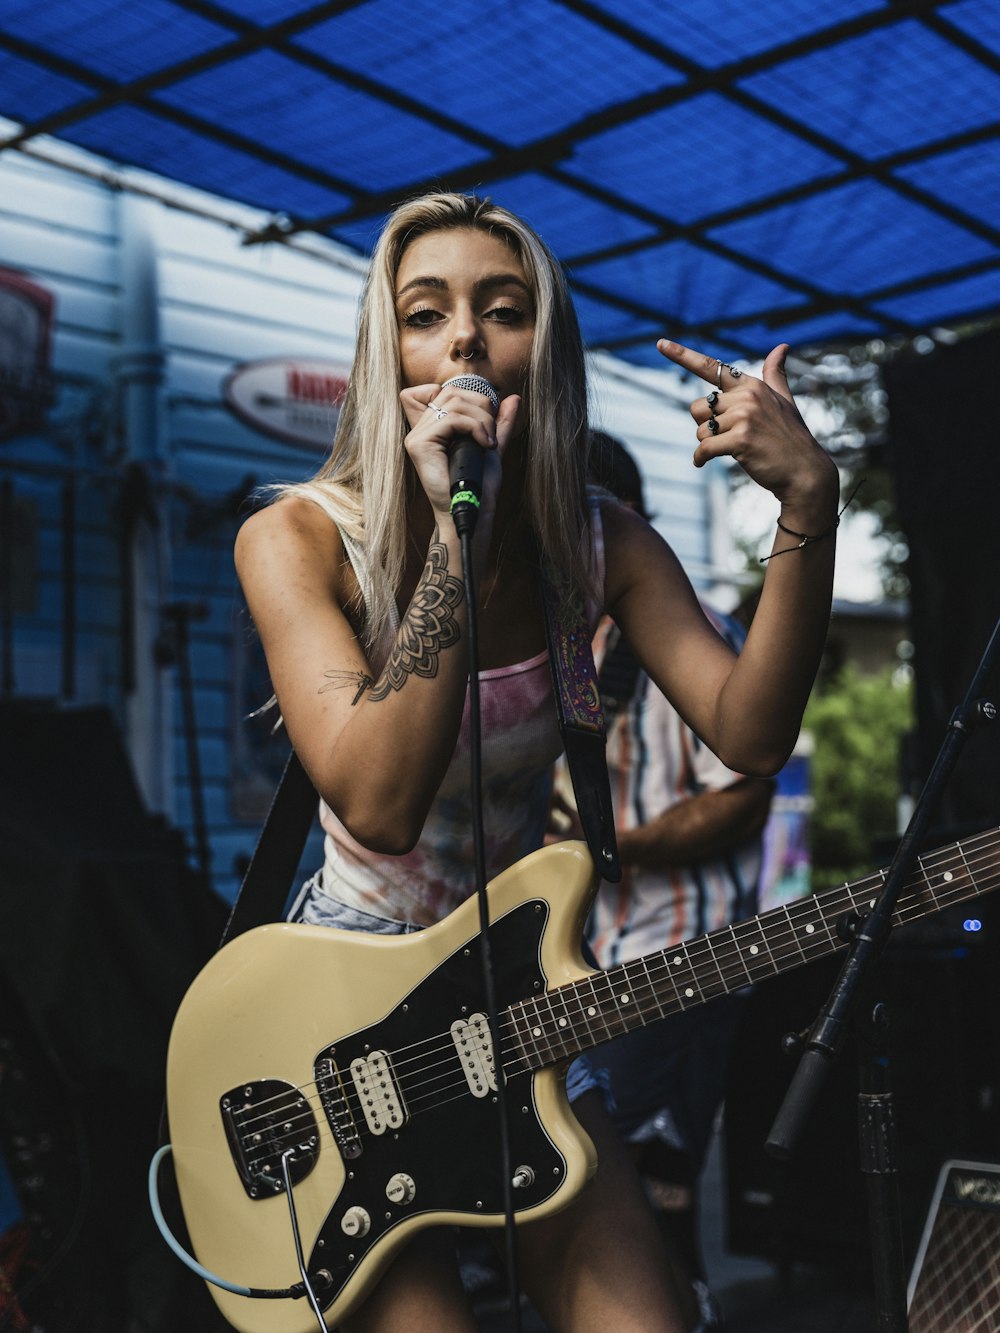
(520, 743)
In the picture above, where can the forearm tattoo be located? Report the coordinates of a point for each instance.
(429, 626)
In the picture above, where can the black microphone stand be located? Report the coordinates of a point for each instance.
(820, 1048)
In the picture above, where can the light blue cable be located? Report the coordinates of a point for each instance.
(168, 1235)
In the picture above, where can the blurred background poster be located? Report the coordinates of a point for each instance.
(787, 865)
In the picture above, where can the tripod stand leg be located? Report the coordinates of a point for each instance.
(877, 1134)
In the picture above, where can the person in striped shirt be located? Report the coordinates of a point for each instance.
(689, 836)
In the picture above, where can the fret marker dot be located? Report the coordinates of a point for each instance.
(810, 929)
(562, 1022)
(625, 998)
(678, 960)
(536, 1032)
(688, 991)
(754, 949)
(947, 876)
(591, 1012)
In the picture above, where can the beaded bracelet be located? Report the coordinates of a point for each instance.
(804, 537)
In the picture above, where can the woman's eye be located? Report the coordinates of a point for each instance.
(421, 317)
(507, 314)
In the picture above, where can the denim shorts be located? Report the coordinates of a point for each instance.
(666, 1081)
(313, 907)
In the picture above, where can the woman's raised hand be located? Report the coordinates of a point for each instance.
(441, 414)
(755, 421)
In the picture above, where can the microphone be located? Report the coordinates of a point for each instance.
(465, 460)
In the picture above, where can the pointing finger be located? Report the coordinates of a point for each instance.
(709, 368)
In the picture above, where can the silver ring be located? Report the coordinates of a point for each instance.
(712, 400)
(713, 425)
(439, 412)
(724, 365)
(469, 357)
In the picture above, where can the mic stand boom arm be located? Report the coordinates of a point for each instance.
(827, 1034)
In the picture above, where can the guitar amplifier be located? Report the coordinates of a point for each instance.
(955, 1284)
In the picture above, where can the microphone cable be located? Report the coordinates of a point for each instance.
(486, 955)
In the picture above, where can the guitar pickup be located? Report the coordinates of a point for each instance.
(378, 1092)
(263, 1120)
(474, 1045)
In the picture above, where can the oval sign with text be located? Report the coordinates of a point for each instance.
(291, 399)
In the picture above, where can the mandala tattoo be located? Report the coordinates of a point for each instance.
(428, 627)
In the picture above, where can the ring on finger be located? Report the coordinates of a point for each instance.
(724, 365)
(439, 412)
(713, 425)
(713, 400)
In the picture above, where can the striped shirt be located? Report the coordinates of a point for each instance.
(655, 761)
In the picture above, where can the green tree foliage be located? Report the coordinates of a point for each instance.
(857, 722)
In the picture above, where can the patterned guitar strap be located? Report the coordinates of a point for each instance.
(581, 722)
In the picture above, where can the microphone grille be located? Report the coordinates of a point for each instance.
(475, 384)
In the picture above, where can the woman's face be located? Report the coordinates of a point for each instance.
(462, 290)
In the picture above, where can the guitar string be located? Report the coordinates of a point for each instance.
(438, 1099)
(723, 955)
(729, 965)
(910, 906)
(805, 951)
(720, 957)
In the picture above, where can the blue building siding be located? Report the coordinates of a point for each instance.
(213, 304)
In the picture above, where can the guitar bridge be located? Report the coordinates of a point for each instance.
(263, 1120)
(338, 1112)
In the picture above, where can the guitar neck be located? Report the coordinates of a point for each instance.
(563, 1022)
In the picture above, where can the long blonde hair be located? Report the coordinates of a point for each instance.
(364, 484)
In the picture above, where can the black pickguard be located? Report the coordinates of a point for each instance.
(449, 1148)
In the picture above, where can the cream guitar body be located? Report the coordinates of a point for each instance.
(261, 1059)
(362, 1070)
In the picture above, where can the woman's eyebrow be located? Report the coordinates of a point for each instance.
(500, 280)
(493, 280)
(439, 283)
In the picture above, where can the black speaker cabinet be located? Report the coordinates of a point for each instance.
(955, 1283)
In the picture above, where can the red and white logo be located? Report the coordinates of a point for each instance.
(297, 401)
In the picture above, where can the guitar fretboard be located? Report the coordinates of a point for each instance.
(561, 1023)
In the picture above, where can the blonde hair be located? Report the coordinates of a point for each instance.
(364, 484)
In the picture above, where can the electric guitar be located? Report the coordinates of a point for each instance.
(361, 1070)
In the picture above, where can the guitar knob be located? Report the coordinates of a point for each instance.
(401, 1188)
(355, 1222)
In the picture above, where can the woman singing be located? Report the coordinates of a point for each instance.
(354, 582)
